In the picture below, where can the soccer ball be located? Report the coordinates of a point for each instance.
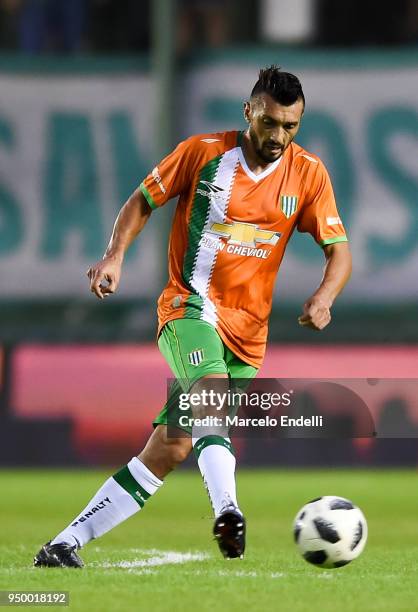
(330, 531)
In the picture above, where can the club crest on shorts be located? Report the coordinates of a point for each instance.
(288, 205)
(195, 357)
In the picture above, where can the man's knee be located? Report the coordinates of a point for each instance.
(177, 447)
(165, 450)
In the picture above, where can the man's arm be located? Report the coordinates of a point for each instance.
(316, 310)
(130, 221)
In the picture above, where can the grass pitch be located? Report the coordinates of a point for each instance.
(164, 558)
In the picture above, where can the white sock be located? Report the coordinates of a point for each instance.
(121, 496)
(217, 466)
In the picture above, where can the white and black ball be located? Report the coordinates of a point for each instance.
(330, 531)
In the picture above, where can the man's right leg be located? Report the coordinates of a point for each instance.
(121, 496)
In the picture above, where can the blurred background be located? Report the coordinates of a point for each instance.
(92, 94)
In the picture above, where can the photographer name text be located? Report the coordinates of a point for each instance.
(266, 421)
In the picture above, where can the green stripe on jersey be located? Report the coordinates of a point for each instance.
(198, 217)
(147, 196)
(125, 479)
(333, 240)
(194, 306)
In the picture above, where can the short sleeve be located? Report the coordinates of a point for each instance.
(171, 176)
(319, 215)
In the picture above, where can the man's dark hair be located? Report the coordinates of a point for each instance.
(283, 87)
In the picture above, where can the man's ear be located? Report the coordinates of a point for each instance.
(247, 112)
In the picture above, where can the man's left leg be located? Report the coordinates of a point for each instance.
(215, 453)
(216, 459)
(202, 363)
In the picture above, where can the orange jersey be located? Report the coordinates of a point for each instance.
(230, 232)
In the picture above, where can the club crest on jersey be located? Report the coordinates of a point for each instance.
(288, 205)
(244, 234)
(195, 357)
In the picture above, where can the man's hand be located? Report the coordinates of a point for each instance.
(316, 310)
(316, 313)
(105, 276)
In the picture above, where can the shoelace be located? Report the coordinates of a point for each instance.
(229, 508)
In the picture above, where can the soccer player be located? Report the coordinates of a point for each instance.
(241, 195)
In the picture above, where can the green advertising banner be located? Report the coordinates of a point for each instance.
(72, 149)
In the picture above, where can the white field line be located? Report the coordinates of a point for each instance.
(158, 558)
(237, 574)
(251, 574)
(325, 575)
(155, 558)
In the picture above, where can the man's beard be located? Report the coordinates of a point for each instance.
(264, 154)
(268, 157)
